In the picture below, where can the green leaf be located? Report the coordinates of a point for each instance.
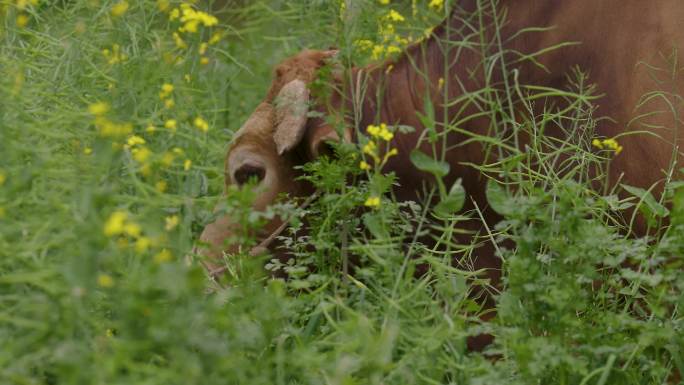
(426, 163)
(498, 198)
(678, 206)
(453, 202)
(375, 225)
(646, 196)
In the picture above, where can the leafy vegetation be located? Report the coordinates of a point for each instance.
(114, 120)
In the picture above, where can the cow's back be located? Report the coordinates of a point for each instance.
(634, 52)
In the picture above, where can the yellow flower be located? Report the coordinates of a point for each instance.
(169, 103)
(187, 164)
(105, 280)
(203, 48)
(363, 165)
(171, 124)
(135, 140)
(611, 143)
(373, 130)
(115, 223)
(163, 256)
(380, 131)
(180, 43)
(22, 20)
(133, 229)
(215, 37)
(163, 5)
(393, 49)
(119, 8)
(141, 154)
(440, 83)
(363, 44)
(378, 51)
(428, 32)
(167, 159)
(174, 14)
(436, 4)
(114, 56)
(204, 60)
(389, 154)
(109, 128)
(193, 18)
(22, 4)
(384, 2)
(395, 16)
(142, 244)
(160, 186)
(109, 333)
(87, 151)
(369, 148)
(171, 222)
(607, 144)
(201, 124)
(372, 201)
(166, 90)
(98, 109)
(384, 133)
(150, 128)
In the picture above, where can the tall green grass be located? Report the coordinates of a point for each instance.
(86, 298)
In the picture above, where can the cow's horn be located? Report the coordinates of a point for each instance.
(292, 106)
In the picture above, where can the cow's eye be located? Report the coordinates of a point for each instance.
(249, 172)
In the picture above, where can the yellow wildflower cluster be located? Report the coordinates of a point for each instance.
(163, 256)
(114, 56)
(201, 124)
(171, 125)
(390, 41)
(191, 19)
(106, 127)
(140, 153)
(165, 95)
(607, 144)
(436, 4)
(372, 149)
(372, 201)
(106, 281)
(120, 225)
(119, 8)
(21, 6)
(380, 132)
(171, 222)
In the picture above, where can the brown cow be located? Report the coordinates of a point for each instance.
(620, 43)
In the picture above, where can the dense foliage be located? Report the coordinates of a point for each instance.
(114, 120)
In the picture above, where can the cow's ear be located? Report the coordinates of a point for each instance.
(292, 107)
(320, 137)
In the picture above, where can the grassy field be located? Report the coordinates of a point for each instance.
(114, 120)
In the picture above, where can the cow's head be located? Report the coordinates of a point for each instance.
(278, 136)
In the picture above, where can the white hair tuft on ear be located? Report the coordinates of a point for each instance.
(292, 107)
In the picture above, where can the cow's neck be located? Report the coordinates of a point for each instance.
(396, 91)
